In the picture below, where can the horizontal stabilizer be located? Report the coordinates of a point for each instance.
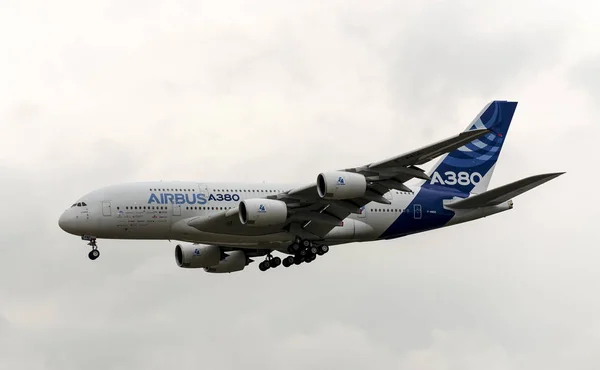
(503, 193)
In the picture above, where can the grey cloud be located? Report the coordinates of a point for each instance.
(586, 76)
(332, 87)
(444, 57)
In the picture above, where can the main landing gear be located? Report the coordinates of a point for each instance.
(94, 253)
(270, 262)
(307, 249)
(302, 250)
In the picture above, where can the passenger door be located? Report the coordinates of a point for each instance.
(417, 212)
(176, 209)
(106, 210)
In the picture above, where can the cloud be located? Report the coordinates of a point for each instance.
(245, 91)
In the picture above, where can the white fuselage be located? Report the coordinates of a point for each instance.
(162, 210)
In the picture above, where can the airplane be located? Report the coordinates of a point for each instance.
(222, 226)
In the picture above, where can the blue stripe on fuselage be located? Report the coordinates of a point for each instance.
(430, 199)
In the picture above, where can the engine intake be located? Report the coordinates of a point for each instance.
(262, 212)
(341, 185)
(197, 256)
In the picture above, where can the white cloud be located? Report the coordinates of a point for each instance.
(95, 94)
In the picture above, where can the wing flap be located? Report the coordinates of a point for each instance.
(503, 193)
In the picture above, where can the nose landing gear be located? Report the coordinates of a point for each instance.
(94, 253)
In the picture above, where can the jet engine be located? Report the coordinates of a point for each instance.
(262, 212)
(235, 261)
(341, 185)
(197, 256)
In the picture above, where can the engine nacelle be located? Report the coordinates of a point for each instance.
(341, 185)
(235, 261)
(197, 256)
(262, 212)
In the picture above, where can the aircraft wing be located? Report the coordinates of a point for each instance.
(318, 216)
(311, 214)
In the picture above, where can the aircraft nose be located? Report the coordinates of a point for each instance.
(67, 222)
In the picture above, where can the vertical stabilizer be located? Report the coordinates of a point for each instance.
(469, 168)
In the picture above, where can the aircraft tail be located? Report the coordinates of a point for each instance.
(469, 168)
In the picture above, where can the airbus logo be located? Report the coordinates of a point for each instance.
(196, 252)
(262, 209)
(341, 181)
(187, 198)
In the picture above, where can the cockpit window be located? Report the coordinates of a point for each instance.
(74, 204)
(78, 204)
(83, 204)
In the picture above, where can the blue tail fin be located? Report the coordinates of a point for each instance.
(469, 168)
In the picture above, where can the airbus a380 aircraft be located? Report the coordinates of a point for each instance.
(223, 225)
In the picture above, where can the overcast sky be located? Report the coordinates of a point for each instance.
(97, 93)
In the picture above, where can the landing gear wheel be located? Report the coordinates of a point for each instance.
(264, 266)
(313, 250)
(275, 261)
(94, 253)
(323, 249)
(288, 261)
(298, 260)
(294, 248)
(306, 243)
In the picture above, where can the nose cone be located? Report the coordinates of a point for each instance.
(68, 222)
